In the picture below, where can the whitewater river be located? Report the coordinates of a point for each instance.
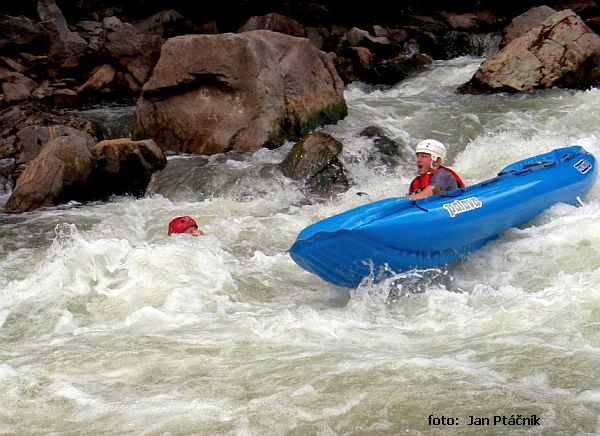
(109, 326)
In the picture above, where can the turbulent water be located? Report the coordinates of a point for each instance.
(107, 325)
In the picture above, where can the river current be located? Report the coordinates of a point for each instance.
(109, 326)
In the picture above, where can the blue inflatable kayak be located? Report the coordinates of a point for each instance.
(398, 234)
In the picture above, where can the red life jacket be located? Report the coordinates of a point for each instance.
(422, 181)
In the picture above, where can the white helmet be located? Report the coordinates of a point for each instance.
(431, 146)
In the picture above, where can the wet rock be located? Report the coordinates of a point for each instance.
(71, 168)
(31, 139)
(57, 174)
(384, 144)
(23, 120)
(315, 160)
(124, 167)
(378, 45)
(390, 71)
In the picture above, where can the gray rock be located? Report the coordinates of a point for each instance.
(315, 160)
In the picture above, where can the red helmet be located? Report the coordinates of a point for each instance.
(181, 224)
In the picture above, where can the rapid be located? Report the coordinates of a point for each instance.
(107, 325)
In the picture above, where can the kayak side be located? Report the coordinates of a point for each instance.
(344, 259)
(399, 234)
(481, 211)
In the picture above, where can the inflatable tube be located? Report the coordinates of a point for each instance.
(398, 234)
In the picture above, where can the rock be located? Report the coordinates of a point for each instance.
(120, 39)
(71, 167)
(16, 86)
(124, 167)
(136, 51)
(563, 51)
(56, 175)
(31, 139)
(378, 45)
(165, 24)
(17, 33)
(315, 160)
(13, 64)
(63, 42)
(383, 143)
(15, 92)
(26, 128)
(100, 77)
(390, 71)
(7, 149)
(478, 21)
(276, 23)
(534, 17)
(49, 11)
(246, 91)
(362, 62)
(317, 36)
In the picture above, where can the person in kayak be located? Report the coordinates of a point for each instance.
(433, 178)
(184, 224)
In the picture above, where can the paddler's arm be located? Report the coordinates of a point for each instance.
(428, 191)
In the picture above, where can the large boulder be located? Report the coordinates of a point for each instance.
(563, 51)
(31, 139)
(56, 175)
(124, 167)
(534, 17)
(210, 94)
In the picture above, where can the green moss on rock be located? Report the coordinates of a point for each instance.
(294, 126)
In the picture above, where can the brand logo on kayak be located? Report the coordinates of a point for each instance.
(460, 206)
(583, 166)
